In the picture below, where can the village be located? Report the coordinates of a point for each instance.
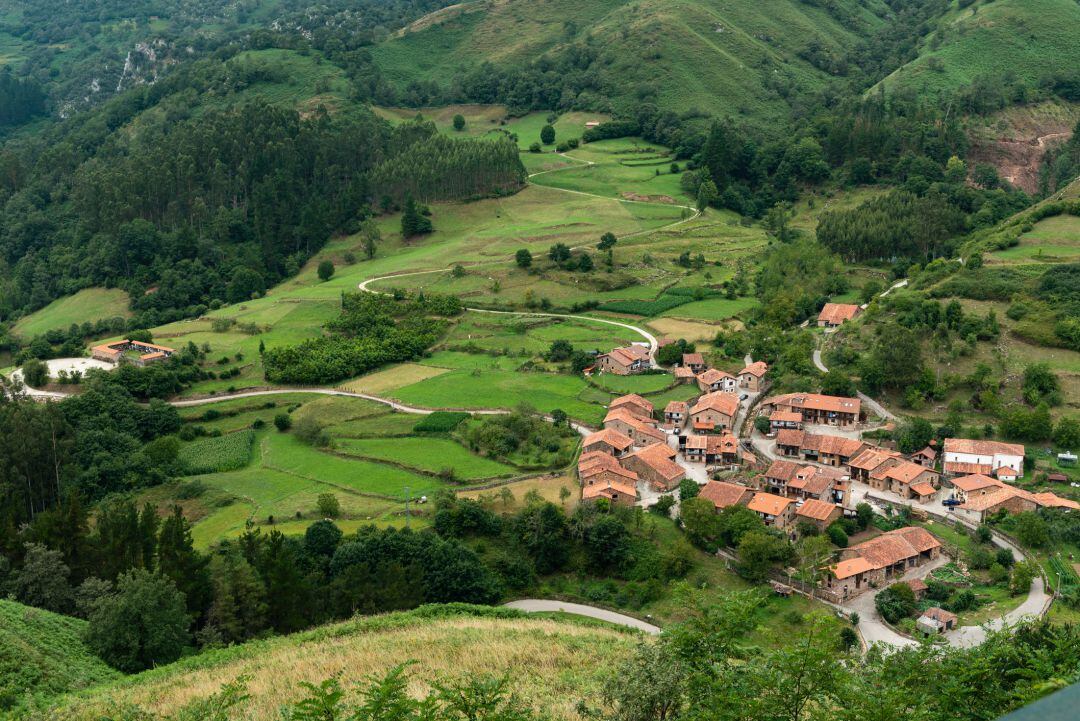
(799, 461)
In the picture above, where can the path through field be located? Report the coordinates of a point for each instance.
(541, 605)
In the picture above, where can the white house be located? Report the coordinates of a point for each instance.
(964, 457)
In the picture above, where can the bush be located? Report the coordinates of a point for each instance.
(310, 431)
(896, 602)
(283, 422)
(328, 505)
(837, 535)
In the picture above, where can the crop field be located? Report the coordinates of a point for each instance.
(388, 379)
(548, 488)
(712, 309)
(625, 168)
(430, 455)
(90, 304)
(229, 452)
(678, 328)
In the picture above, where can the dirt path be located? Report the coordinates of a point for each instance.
(540, 605)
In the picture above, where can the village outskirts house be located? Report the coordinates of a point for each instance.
(624, 361)
(714, 381)
(607, 440)
(638, 429)
(684, 375)
(724, 495)
(602, 476)
(817, 408)
(833, 315)
(752, 377)
(869, 460)
(146, 353)
(820, 514)
(715, 412)
(775, 511)
(963, 457)
(694, 361)
(635, 403)
(656, 465)
(871, 563)
(676, 413)
(906, 479)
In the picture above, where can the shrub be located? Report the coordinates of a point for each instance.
(837, 535)
(328, 505)
(283, 422)
(896, 602)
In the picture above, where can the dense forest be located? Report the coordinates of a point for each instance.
(216, 208)
(20, 99)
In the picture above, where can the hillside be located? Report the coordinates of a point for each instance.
(42, 655)
(551, 663)
(727, 58)
(994, 45)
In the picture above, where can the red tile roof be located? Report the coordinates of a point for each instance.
(769, 503)
(609, 436)
(895, 546)
(723, 494)
(851, 567)
(815, 509)
(692, 359)
(817, 402)
(658, 457)
(757, 368)
(837, 313)
(982, 448)
(634, 401)
(724, 403)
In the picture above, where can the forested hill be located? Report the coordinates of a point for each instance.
(192, 189)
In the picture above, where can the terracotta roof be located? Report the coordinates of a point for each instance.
(790, 437)
(628, 355)
(697, 443)
(723, 494)
(769, 503)
(818, 510)
(851, 567)
(813, 481)
(895, 546)
(995, 497)
(724, 403)
(1054, 501)
(711, 376)
(967, 468)
(872, 457)
(783, 470)
(610, 436)
(904, 472)
(658, 457)
(923, 489)
(681, 372)
(837, 313)
(940, 615)
(832, 445)
(817, 402)
(927, 452)
(916, 584)
(974, 482)
(603, 463)
(633, 400)
(677, 407)
(692, 359)
(597, 489)
(982, 448)
(725, 443)
(780, 416)
(1005, 472)
(757, 368)
(638, 423)
(704, 425)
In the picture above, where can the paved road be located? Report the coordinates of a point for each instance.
(817, 361)
(539, 605)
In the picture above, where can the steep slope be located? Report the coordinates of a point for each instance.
(999, 42)
(730, 58)
(551, 664)
(42, 654)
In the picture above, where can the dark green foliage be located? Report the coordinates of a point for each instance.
(371, 331)
(759, 551)
(896, 224)
(672, 353)
(521, 437)
(21, 99)
(688, 488)
(283, 422)
(142, 624)
(837, 535)
(547, 135)
(413, 222)
(326, 270)
(461, 517)
(896, 602)
(441, 421)
(523, 258)
(35, 373)
(648, 308)
(459, 122)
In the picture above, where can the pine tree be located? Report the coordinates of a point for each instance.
(412, 221)
(179, 561)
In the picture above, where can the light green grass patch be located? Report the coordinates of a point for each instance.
(433, 455)
(640, 384)
(89, 304)
(713, 309)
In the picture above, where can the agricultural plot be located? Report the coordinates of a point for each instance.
(228, 452)
(533, 335)
(430, 455)
(640, 384)
(90, 304)
(391, 378)
(624, 168)
(1052, 240)
(713, 309)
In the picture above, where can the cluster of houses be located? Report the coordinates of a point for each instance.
(873, 563)
(145, 353)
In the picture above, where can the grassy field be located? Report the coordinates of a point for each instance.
(91, 304)
(229, 452)
(433, 455)
(551, 663)
(1052, 240)
(42, 654)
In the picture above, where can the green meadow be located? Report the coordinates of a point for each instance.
(90, 304)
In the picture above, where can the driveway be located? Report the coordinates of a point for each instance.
(538, 605)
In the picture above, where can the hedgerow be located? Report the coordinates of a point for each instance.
(440, 422)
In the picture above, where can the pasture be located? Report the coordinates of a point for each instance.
(89, 304)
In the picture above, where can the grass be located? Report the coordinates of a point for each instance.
(713, 309)
(432, 455)
(228, 452)
(550, 663)
(42, 654)
(391, 378)
(547, 487)
(640, 384)
(90, 304)
(1052, 240)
